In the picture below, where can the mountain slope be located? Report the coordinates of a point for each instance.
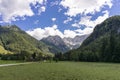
(15, 40)
(56, 43)
(102, 45)
(3, 51)
(74, 43)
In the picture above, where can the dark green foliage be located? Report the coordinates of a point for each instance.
(16, 40)
(23, 55)
(102, 45)
(59, 56)
(34, 56)
(21, 44)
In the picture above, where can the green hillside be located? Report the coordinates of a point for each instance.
(102, 45)
(15, 40)
(3, 51)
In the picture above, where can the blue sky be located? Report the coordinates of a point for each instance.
(66, 18)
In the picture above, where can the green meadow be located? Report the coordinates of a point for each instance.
(9, 62)
(61, 71)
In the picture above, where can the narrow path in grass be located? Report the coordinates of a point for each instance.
(14, 64)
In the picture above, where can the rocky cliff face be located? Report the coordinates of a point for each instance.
(57, 43)
(65, 44)
(75, 42)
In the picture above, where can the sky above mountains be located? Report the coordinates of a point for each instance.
(66, 18)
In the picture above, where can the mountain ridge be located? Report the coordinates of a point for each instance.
(74, 43)
(64, 44)
(56, 42)
(15, 40)
(102, 45)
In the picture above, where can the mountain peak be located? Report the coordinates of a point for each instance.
(75, 42)
(64, 44)
(56, 42)
(10, 28)
(14, 28)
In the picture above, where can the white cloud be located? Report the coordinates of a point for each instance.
(76, 25)
(67, 20)
(86, 20)
(70, 33)
(12, 10)
(75, 7)
(53, 19)
(84, 31)
(41, 9)
(83, 8)
(90, 24)
(40, 33)
(21, 8)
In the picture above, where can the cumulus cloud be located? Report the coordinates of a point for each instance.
(21, 8)
(92, 23)
(84, 31)
(53, 19)
(40, 33)
(83, 8)
(70, 33)
(12, 10)
(75, 7)
(41, 9)
(86, 20)
(76, 25)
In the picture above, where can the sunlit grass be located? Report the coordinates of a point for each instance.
(62, 71)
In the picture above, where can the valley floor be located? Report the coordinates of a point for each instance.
(61, 71)
(9, 62)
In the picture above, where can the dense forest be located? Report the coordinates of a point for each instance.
(102, 45)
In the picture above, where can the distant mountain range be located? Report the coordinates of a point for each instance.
(65, 44)
(14, 40)
(74, 43)
(57, 44)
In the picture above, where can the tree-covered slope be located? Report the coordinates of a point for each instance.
(15, 40)
(102, 45)
(3, 51)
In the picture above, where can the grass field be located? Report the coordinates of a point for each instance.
(62, 71)
(9, 62)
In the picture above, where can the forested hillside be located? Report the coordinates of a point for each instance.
(102, 45)
(15, 41)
